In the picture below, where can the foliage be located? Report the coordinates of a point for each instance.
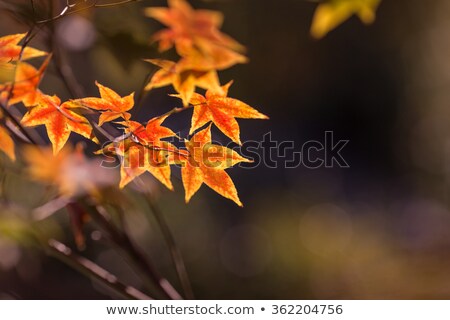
(203, 50)
(332, 13)
(82, 185)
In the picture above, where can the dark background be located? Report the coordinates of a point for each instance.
(378, 229)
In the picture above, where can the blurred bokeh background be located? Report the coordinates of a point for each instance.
(378, 229)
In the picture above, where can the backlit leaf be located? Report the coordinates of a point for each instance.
(59, 120)
(222, 111)
(110, 104)
(183, 80)
(332, 13)
(7, 143)
(206, 163)
(10, 49)
(144, 151)
(196, 32)
(69, 170)
(26, 83)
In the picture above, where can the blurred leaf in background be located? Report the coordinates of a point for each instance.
(331, 13)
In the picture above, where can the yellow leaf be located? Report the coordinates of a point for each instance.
(7, 143)
(332, 13)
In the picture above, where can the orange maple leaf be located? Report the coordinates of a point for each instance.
(196, 32)
(7, 143)
(144, 151)
(222, 111)
(45, 166)
(111, 104)
(10, 49)
(138, 159)
(152, 133)
(59, 119)
(183, 80)
(7, 71)
(26, 83)
(69, 170)
(206, 163)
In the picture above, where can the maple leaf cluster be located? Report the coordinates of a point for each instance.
(203, 51)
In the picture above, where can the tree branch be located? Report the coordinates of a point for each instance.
(124, 242)
(63, 253)
(65, 12)
(175, 251)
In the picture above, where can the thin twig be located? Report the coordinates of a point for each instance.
(17, 123)
(65, 12)
(123, 241)
(142, 93)
(175, 251)
(114, 4)
(92, 270)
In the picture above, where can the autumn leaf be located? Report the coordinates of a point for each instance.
(211, 58)
(144, 151)
(196, 32)
(222, 111)
(332, 13)
(7, 143)
(183, 80)
(59, 120)
(206, 163)
(10, 49)
(73, 175)
(7, 70)
(26, 83)
(138, 159)
(46, 166)
(152, 133)
(69, 170)
(111, 104)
